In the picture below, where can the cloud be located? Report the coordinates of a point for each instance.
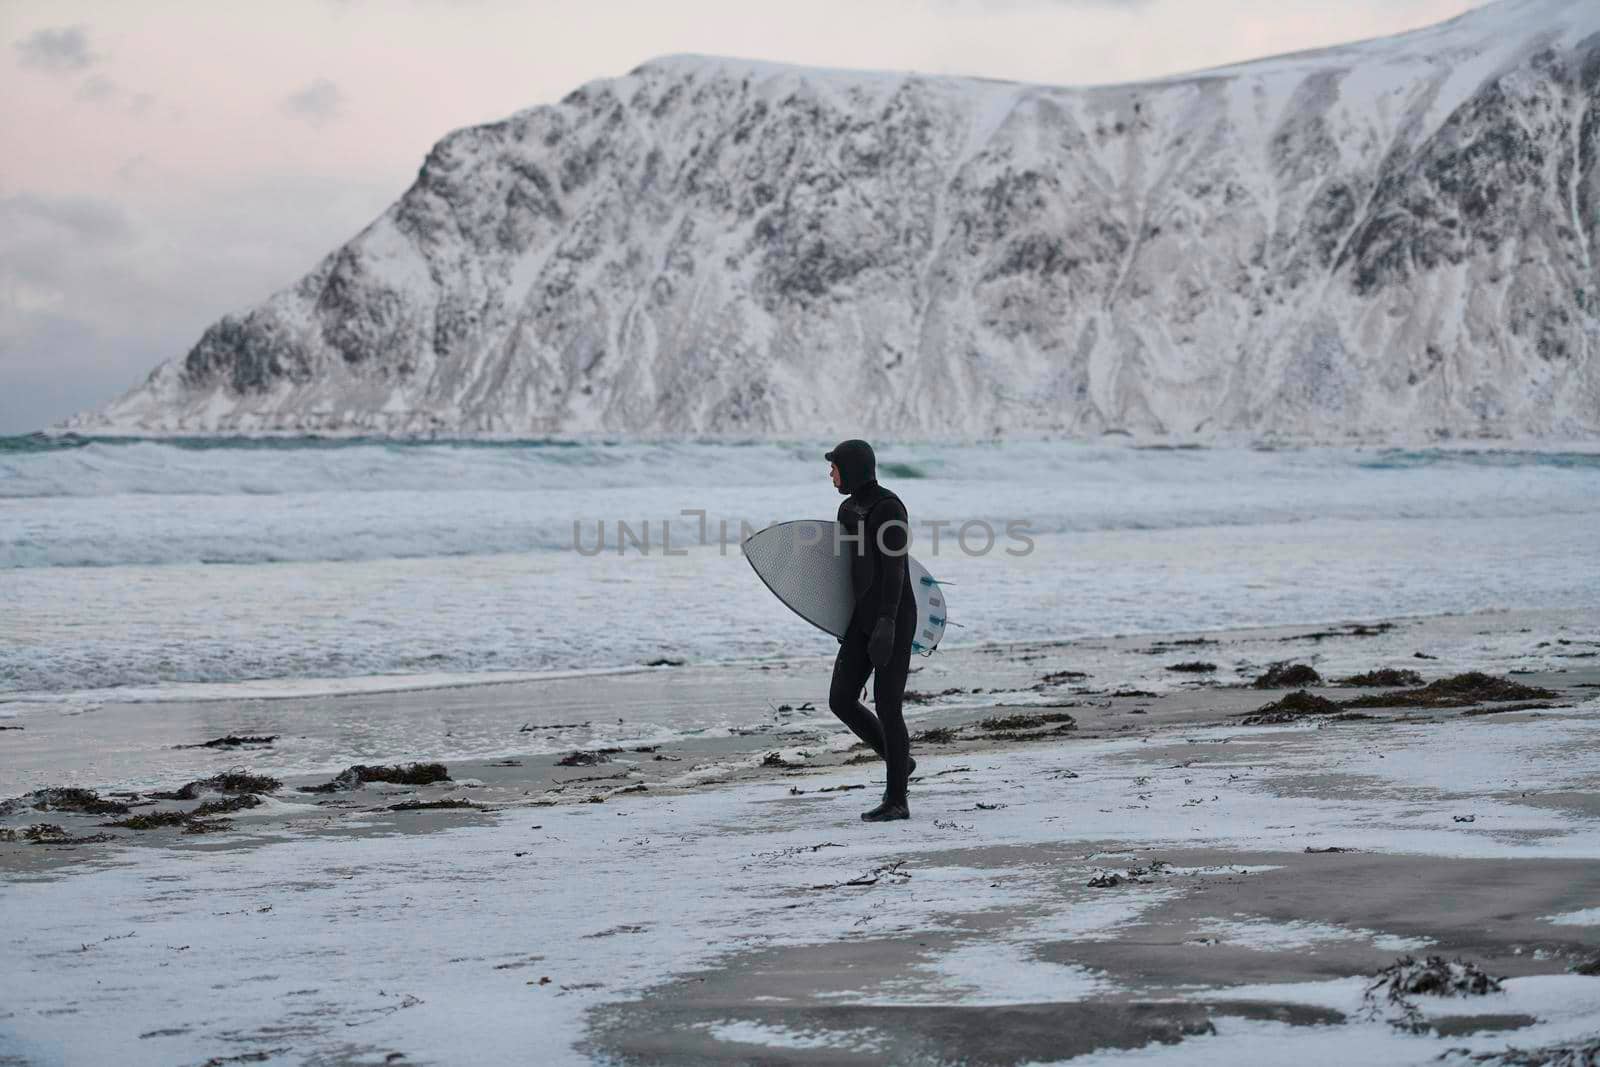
(56, 50)
(94, 292)
(96, 89)
(26, 217)
(317, 103)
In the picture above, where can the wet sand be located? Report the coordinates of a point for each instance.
(715, 899)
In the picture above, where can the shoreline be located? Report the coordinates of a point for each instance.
(380, 684)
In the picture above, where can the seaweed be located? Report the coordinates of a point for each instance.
(1042, 735)
(234, 781)
(226, 805)
(1286, 675)
(76, 801)
(431, 805)
(1133, 876)
(1388, 677)
(207, 826)
(1353, 630)
(1294, 706)
(1162, 647)
(1457, 691)
(935, 735)
(1391, 989)
(151, 820)
(1194, 667)
(1061, 678)
(587, 757)
(1026, 722)
(1503, 709)
(912, 696)
(49, 833)
(360, 774)
(1580, 1053)
(234, 741)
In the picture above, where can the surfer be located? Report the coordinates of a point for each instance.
(878, 639)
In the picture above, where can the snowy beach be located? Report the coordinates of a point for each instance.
(1128, 869)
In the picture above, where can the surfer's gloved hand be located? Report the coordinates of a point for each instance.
(881, 643)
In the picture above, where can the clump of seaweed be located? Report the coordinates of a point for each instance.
(1025, 721)
(1132, 876)
(236, 741)
(1505, 709)
(1295, 706)
(1040, 735)
(1161, 648)
(234, 781)
(1388, 677)
(1434, 976)
(1457, 691)
(1286, 675)
(1389, 993)
(1193, 667)
(1061, 678)
(207, 826)
(935, 735)
(912, 696)
(151, 820)
(431, 805)
(225, 805)
(1584, 1052)
(587, 758)
(1357, 629)
(360, 774)
(49, 833)
(76, 801)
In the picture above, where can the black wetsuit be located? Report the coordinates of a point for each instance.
(882, 592)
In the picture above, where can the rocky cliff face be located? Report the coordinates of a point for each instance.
(1393, 238)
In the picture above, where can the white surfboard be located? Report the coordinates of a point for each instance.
(806, 564)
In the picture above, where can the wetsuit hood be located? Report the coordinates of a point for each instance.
(857, 464)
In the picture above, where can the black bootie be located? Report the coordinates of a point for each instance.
(888, 811)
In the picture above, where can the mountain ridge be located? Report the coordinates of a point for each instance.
(1367, 245)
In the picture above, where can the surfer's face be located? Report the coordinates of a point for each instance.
(833, 473)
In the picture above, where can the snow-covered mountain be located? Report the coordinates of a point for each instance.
(1391, 238)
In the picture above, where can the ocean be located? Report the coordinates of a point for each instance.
(150, 570)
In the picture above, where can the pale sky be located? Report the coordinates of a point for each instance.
(169, 161)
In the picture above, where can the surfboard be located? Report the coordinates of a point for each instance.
(806, 564)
